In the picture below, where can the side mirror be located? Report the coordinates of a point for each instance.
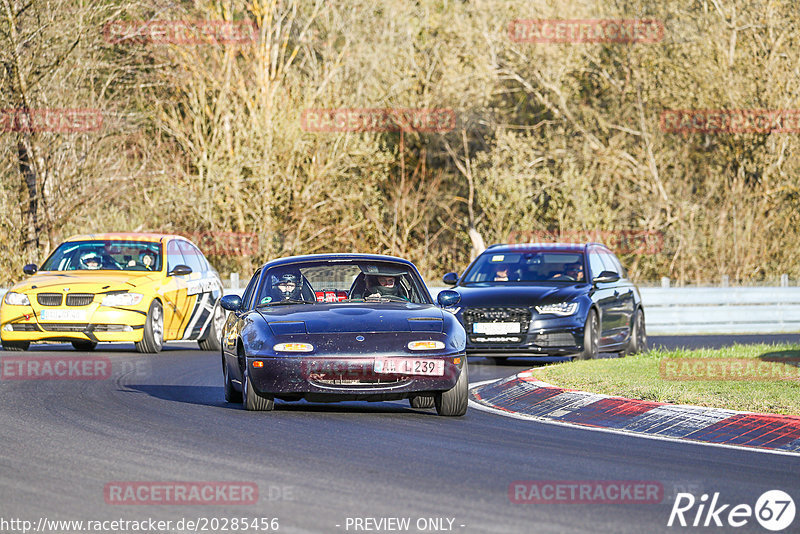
(231, 302)
(450, 279)
(29, 269)
(180, 270)
(606, 277)
(448, 298)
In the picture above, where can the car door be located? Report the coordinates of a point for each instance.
(623, 292)
(234, 324)
(175, 292)
(603, 295)
(201, 288)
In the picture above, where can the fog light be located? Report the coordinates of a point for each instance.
(456, 360)
(258, 364)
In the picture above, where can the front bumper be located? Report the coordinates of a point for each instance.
(321, 379)
(97, 324)
(549, 336)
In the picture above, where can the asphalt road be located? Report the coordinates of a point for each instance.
(162, 418)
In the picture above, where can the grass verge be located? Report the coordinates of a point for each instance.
(756, 378)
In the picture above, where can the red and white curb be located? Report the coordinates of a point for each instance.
(523, 396)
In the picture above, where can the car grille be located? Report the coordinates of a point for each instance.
(83, 327)
(24, 327)
(49, 299)
(558, 339)
(64, 327)
(345, 382)
(79, 299)
(519, 315)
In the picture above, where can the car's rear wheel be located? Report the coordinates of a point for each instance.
(591, 337)
(16, 345)
(84, 345)
(212, 340)
(455, 400)
(231, 393)
(638, 340)
(153, 335)
(422, 401)
(254, 401)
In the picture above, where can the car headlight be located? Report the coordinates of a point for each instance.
(122, 299)
(426, 345)
(293, 347)
(561, 308)
(17, 299)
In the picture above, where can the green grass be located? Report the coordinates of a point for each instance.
(645, 377)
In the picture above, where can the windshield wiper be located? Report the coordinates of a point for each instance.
(284, 302)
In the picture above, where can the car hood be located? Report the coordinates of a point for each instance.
(91, 282)
(488, 294)
(323, 318)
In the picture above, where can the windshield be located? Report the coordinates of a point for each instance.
(348, 281)
(105, 255)
(527, 267)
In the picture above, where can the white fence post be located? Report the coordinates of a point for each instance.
(234, 281)
(665, 281)
(725, 280)
(784, 280)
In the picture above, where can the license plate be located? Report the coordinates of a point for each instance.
(63, 315)
(496, 329)
(409, 366)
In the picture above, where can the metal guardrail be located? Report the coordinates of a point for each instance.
(712, 310)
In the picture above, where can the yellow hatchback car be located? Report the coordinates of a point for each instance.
(140, 288)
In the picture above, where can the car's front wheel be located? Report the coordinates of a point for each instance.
(254, 401)
(84, 345)
(153, 335)
(454, 401)
(212, 340)
(591, 337)
(16, 345)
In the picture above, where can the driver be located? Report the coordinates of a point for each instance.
(287, 286)
(147, 259)
(90, 260)
(572, 271)
(501, 273)
(381, 286)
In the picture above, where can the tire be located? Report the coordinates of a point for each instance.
(590, 337)
(454, 401)
(422, 401)
(84, 345)
(231, 394)
(15, 346)
(212, 340)
(153, 335)
(252, 400)
(638, 340)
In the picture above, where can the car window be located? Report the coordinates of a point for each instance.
(527, 266)
(192, 256)
(174, 256)
(249, 290)
(596, 264)
(117, 255)
(611, 263)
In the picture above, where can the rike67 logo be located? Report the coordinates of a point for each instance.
(774, 510)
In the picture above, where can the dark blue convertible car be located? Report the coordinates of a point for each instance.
(335, 327)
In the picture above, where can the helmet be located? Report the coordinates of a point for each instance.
(384, 285)
(287, 286)
(91, 257)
